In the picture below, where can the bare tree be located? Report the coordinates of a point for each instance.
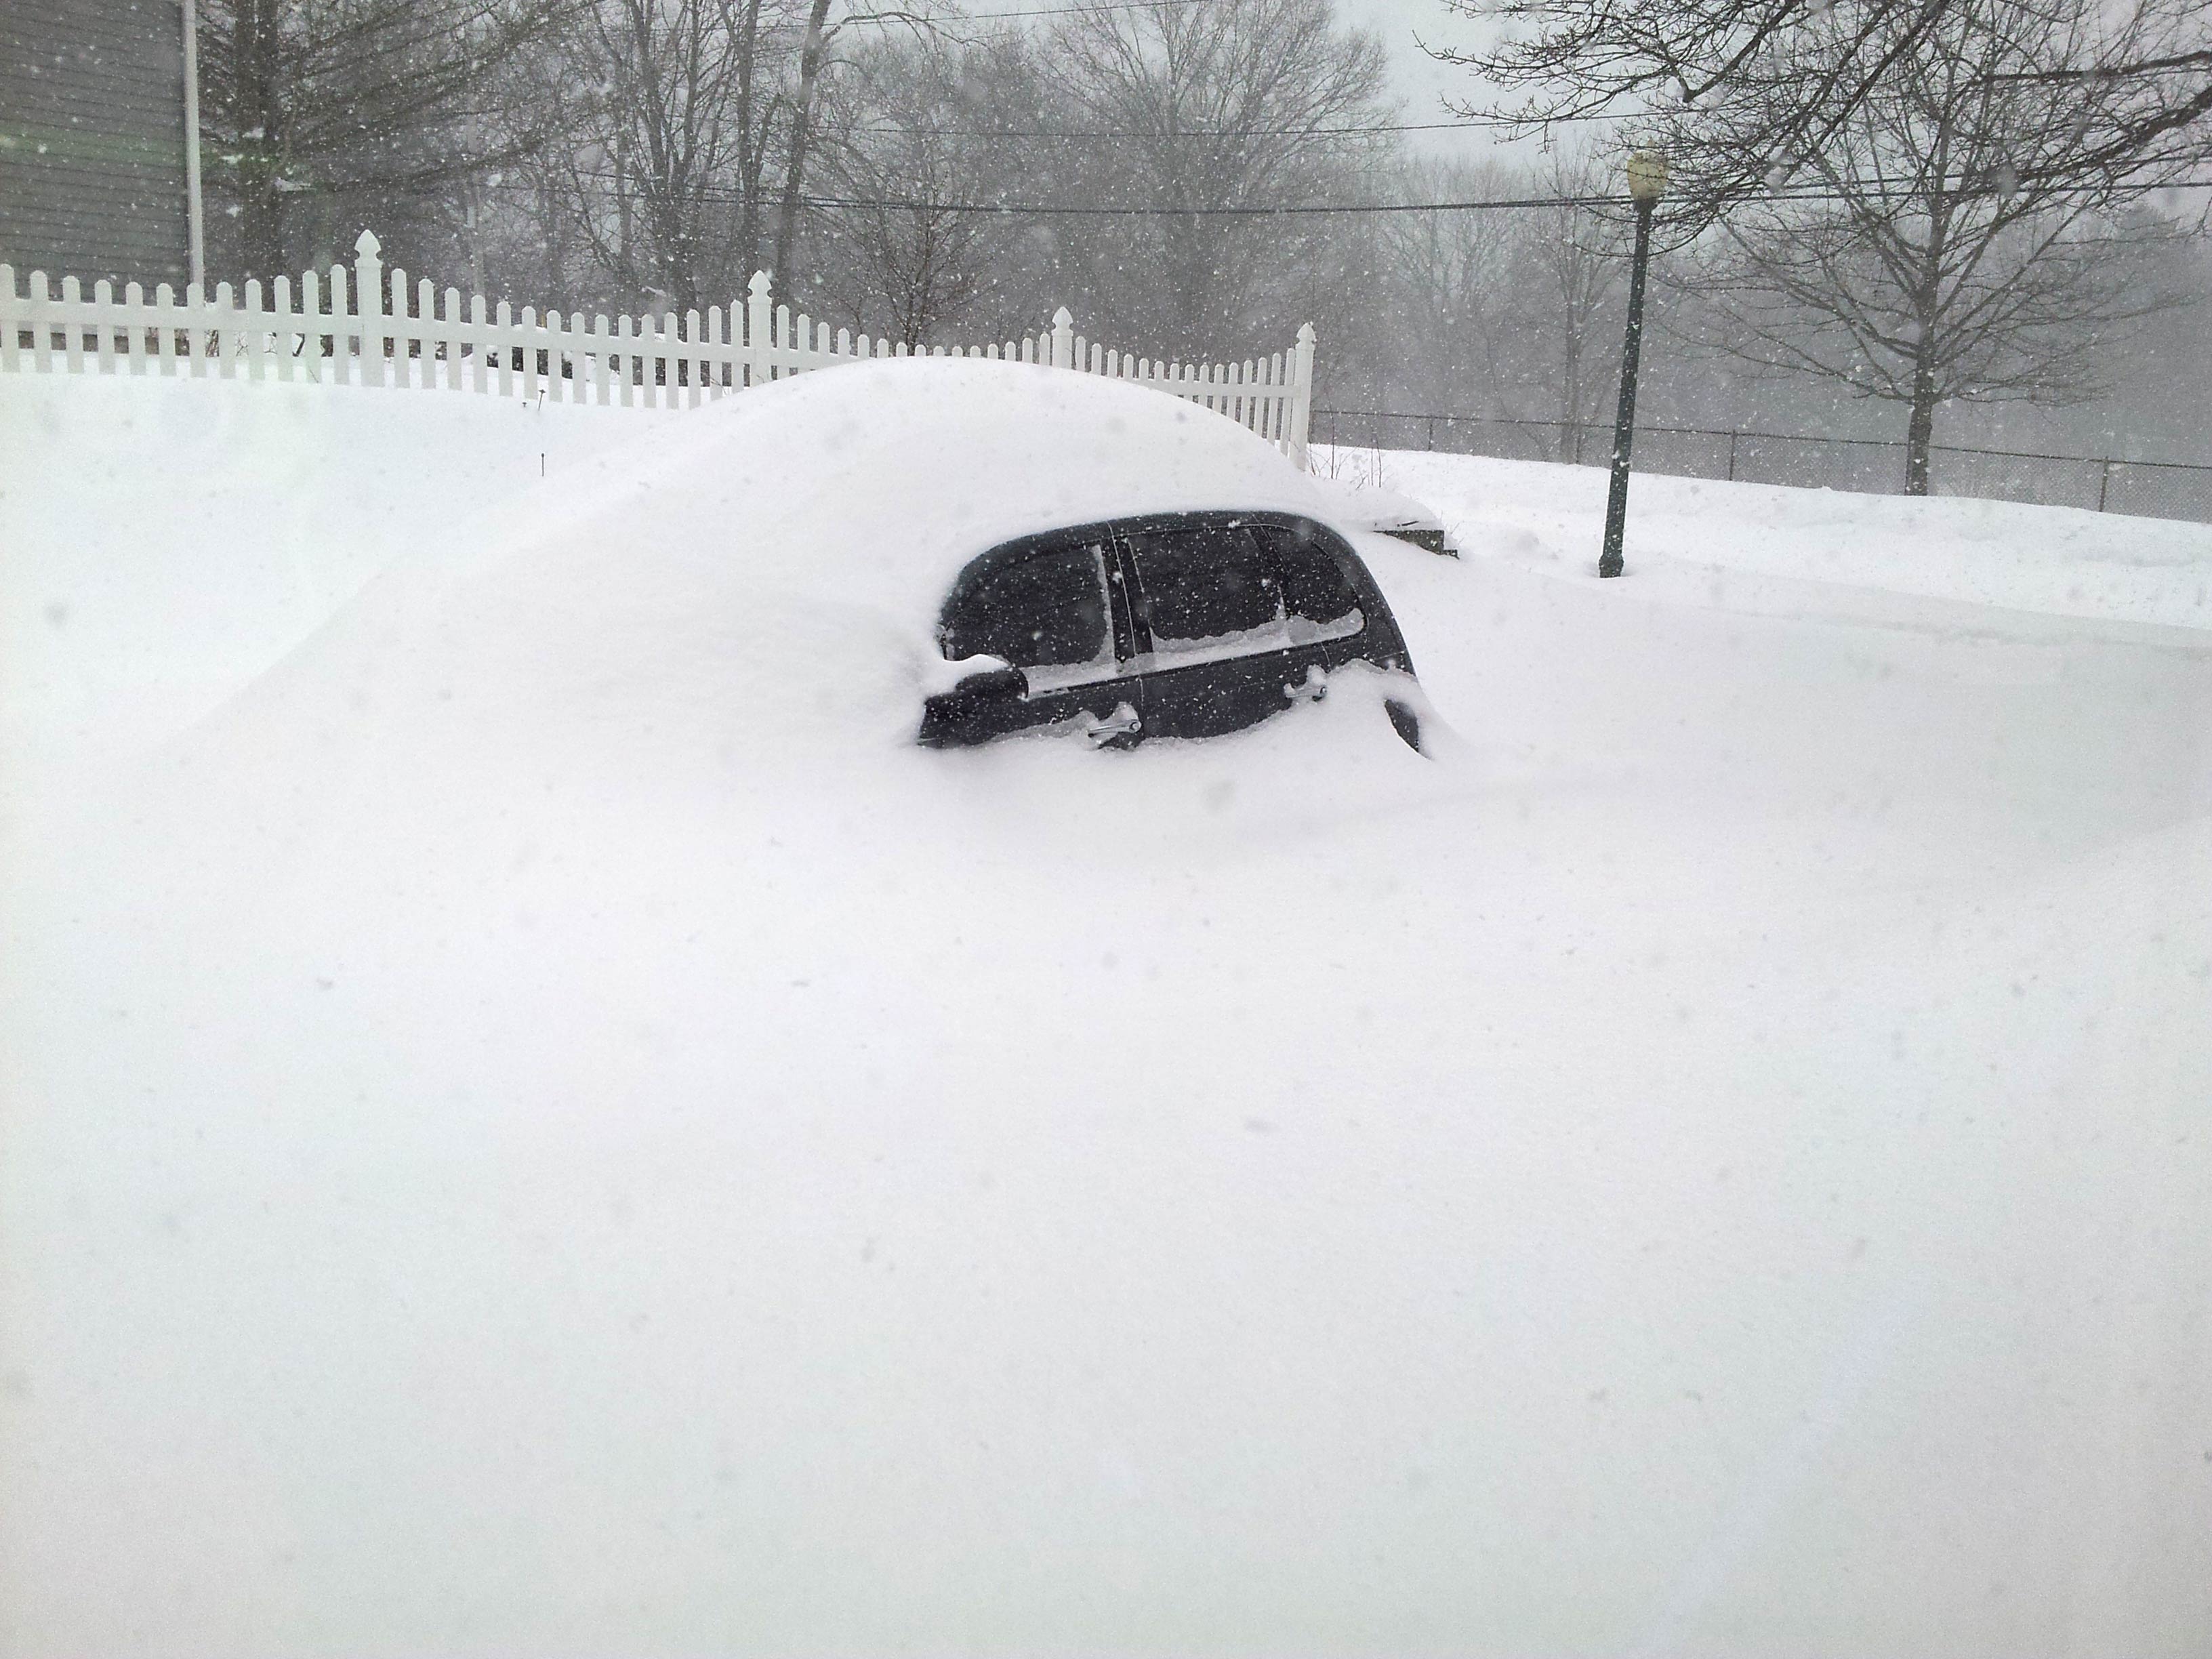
(1785, 77)
(1925, 253)
(1508, 314)
(915, 147)
(814, 57)
(310, 104)
(1228, 103)
(1569, 273)
(1449, 282)
(666, 113)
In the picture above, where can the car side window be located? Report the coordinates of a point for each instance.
(1318, 603)
(1207, 591)
(1042, 610)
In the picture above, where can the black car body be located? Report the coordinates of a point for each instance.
(1177, 624)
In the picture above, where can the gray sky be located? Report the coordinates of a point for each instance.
(1420, 82)
(1420, 78)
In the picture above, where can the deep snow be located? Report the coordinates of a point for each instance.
(1714, 1165)
(1738, 546)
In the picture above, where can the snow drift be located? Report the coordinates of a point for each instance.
(509, 1149)
(759, 583)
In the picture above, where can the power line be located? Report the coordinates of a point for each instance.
(1299, 209)
(1267, 211)
(1193, 132)
(1041, 209)
(1274, 211)
(1363, 130)
(1063, 11)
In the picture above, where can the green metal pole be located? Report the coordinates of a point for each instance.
(1624, 424)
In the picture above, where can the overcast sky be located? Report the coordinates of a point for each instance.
(1422, 83)
(1421, 79)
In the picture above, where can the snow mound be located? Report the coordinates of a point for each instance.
(1775, 549)
(1376, 507)
(762, 575)
(573, 1136)
(165, 540)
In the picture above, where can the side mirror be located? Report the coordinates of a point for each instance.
(979, 707)
(992, 685)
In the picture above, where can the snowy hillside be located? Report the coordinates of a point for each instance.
(1713, 1163)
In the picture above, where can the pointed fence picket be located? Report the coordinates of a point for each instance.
(387, 334)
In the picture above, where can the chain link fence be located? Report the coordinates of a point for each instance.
(2152, 490)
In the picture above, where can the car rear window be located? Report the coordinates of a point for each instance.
(1319, 603)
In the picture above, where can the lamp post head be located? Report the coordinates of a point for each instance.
(1647, 175)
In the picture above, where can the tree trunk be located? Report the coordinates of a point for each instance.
(622, 227)
(749, 154)
(260, 203)
(1571, 403)
(1920, 430)
(472, 224)
(802, 120)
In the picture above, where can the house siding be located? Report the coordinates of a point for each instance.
(92, 139)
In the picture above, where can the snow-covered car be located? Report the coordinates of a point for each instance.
(950, 550)
(805, 576)
(1180, 624)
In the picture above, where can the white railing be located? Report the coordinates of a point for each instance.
(366, 333)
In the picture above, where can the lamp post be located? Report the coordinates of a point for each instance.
(1647, 182)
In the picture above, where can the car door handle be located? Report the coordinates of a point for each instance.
(1122, 723)
(1313, 687)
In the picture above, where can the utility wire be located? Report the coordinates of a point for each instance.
(1284, 211)
(1271, 211)
(1489, 204)
(1368, 129)
(1063, 11)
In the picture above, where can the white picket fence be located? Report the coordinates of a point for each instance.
(649, 362)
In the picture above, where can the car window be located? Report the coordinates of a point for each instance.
(1044, 611)
(1207, 591)
(1318, 603)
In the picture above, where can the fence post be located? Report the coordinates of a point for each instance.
(395, 306)
(10, 346)
(368, 304)
(757, 313)
(103, 296)
(1732, 438)
(2104, 484)
(1063, 338)
(341, 329)
(196, 328)
(72, 326)
(1302, 395)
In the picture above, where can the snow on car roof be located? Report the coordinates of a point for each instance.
(876, 483)
(762, 575)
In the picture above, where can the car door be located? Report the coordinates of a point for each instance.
(1045, 605)
(1212, 636)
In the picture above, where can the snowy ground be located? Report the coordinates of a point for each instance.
(159, 545)
(1751, 546)
(1717, 1167)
